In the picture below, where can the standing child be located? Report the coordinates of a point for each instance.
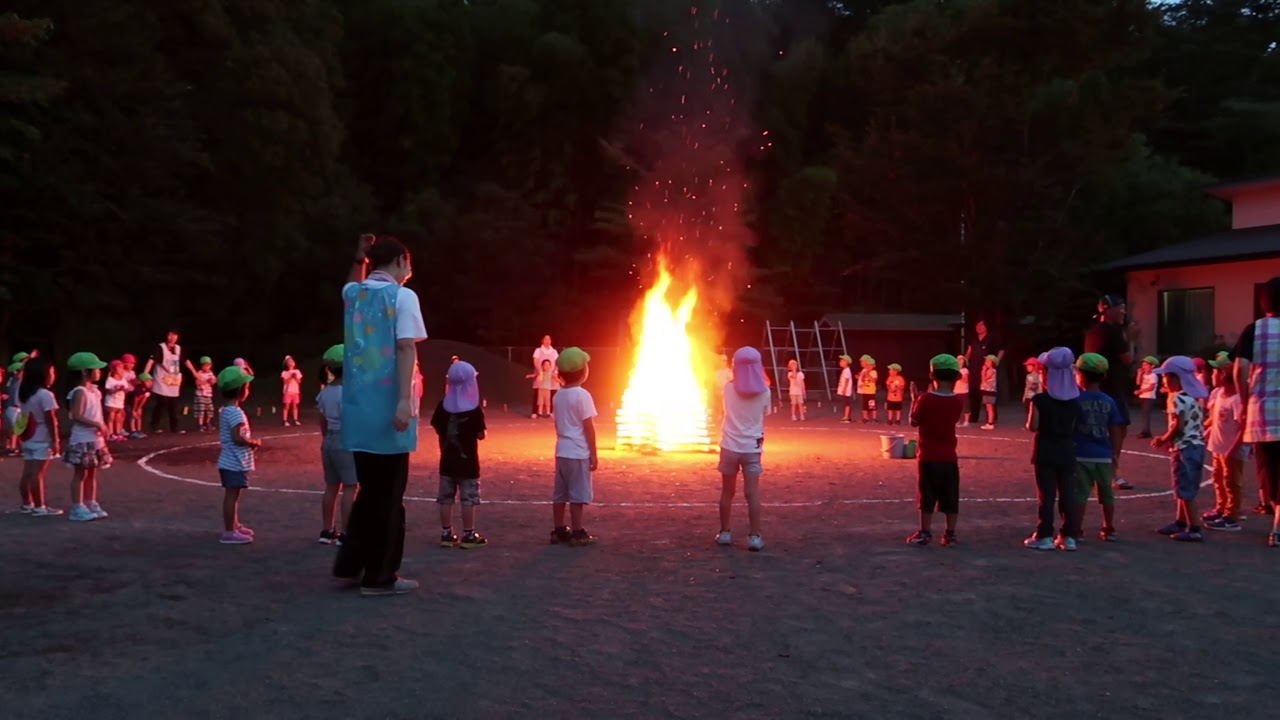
(545, 381)
(459, 423)
(1186, 443)
(988, 388)
(962, 385)
(86, 451)
(1225, 442)
(338, 463)
(115, 388)
(576, 456)
(795, 389)
(1033, 385)
(205, 380)
(746, 402)
(1053, 418)
(291, 381)
(12, 408)
(1099, 438)
(895, 387)
(136, 400)
(1146, 392)
(936, 413)
(39, 407)
(844, 388)
(868, 382)
(236, 458)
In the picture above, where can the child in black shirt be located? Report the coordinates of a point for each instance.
(459, 422)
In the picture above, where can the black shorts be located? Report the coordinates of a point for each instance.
(989, 398)
(894, 405)
(846, 402)
(868, 402)
(1266, 455)
(1123, 403)
(938, 488)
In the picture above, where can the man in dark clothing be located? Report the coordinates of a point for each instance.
(1108, 338)
(984, 343)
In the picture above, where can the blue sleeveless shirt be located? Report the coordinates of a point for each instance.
(371, 390)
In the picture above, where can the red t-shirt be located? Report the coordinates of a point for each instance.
(936, 416)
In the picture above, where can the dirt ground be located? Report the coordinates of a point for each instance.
(145, 615)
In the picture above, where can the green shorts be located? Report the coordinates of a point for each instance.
(1095, 474)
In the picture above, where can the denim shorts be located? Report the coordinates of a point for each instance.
(1188, 471)
(234, 479)
(749, 463)
(37, 451)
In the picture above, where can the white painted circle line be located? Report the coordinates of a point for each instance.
(145, 464)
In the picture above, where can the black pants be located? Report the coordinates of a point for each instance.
(162, 404)
(374, 544)
(1056, 484)
(1267, 463)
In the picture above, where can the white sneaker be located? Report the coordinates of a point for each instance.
(44, 511)
(399, 587)
(1066, 543)
(988, 426)
(724, 538)
(96, 509)
(80, 513)
(534, 416)
(26, 509)
(1035, 543)
(755, 543)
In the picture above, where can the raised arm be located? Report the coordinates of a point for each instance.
(360, 265)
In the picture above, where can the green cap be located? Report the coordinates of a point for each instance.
(335, 356)
(1151, 360)
(84, 361)
(572, 359)
(1223, 360)
(895, 366)
(944, 362)
(993, 358)
(21, 357)
(206, 360)
(233, 377)
(867, 359)
(15, 367)
(847, 359)
(145, 377)
(1093, 362)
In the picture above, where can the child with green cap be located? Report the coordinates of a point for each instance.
(936, 413)
(1148, 388)
(1099, 438)
(844, 388)
(1225, 426)
(962, 385)
(868, 382)
(895, 387)
(576, 456)
(988, 387)
(205, 380)
(236, 457)
(137, 403)
(12, 407)
(86, 450)
(338, 463)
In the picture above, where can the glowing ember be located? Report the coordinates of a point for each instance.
(665, 405)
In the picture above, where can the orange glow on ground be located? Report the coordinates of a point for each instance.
(664, 408)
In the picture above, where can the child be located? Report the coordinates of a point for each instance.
(545, 381)
(1146, 392)
(1033, 385)
(291, 381)
(988, 388)
(746, 402)
(576, 455)
(459, 423)
(136, 400)
(962, 385)
(936, 413)
(205, 380)
(114, 390)
(1225, 442)
(238, 446)
(339, 464)
(868, 379)
(1186, 443)
(844, 388)
(1053, 418)
(1099, 438)
(795, 389)
(12, 408)
(39, 406)
(86, 450)
(895, 388)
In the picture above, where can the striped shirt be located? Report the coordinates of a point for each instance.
(233, 456)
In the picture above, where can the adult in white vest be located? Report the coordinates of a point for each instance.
(543, 352)
(165, 365)
(1257, 376)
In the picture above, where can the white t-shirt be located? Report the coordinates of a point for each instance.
(329, 401)
(1226, 428)
(115, 391)
(962, 385)
(795, 383)
(292, 379)
(743, 428)
(845, 388)
(38, 407)
(81, 434)
(409, 325)
(541, 353)
(573, 407)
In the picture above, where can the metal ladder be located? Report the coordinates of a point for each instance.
(786, 339)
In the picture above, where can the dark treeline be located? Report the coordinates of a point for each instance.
(208, 164)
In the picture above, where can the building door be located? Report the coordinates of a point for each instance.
(1186, 321)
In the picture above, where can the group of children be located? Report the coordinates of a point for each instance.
(867, 385)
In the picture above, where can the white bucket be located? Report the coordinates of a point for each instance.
(891, 446)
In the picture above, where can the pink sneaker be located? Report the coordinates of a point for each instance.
(235, 538)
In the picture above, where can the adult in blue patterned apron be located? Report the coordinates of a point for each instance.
(382, 326)
(1257, 376)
